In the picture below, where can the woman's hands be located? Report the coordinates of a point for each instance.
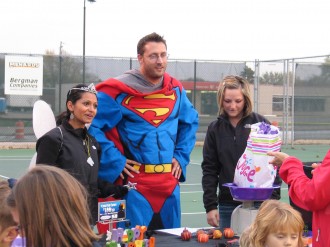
(213, 217)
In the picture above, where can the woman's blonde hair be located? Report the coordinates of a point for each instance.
(52, 208)
(273, 216)
(235, 82)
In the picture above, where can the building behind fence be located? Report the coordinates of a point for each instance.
(292, 92)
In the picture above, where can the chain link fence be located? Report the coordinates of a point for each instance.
(294, 93)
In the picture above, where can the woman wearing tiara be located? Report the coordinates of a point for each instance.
(70, 146)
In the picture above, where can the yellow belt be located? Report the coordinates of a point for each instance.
(155, 168)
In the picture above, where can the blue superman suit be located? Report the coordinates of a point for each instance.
(151, 129)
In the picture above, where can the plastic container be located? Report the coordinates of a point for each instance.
(250, 194)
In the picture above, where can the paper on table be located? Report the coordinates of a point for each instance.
(178, 231)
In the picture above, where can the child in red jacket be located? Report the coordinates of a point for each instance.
(310, 194)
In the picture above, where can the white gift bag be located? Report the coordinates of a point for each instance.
(253, 169)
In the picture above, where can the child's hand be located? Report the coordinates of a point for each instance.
(315, 165)
(279, 157)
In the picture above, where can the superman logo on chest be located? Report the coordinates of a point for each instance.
(153, 108)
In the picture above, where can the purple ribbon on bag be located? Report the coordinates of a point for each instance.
(264, 128)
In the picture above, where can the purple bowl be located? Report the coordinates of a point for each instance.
(250, 194)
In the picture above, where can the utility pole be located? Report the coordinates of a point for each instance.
(84, 37)
(60, 78)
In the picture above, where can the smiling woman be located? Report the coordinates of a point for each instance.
(70, 147)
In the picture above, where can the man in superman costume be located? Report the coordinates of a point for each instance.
(146, 127)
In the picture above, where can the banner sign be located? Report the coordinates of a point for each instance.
(23, 75)
(113, 210)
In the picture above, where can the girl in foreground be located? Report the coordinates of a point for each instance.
(277, 224)
(50, 208)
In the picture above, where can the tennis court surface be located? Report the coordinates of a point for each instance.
(15, 162)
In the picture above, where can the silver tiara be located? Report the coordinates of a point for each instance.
(90, 88)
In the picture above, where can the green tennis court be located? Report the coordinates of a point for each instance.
(15, 162)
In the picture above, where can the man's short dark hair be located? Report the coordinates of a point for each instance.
(153, 37)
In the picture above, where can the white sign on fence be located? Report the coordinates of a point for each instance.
(23, 75)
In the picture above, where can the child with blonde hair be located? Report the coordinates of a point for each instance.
(277, 224)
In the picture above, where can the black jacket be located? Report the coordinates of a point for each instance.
(69, 150)
(223, 146)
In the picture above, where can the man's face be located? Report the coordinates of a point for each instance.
(153, 62)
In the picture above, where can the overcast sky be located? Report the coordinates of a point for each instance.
(198, 29)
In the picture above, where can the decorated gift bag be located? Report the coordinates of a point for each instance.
(253, 169)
